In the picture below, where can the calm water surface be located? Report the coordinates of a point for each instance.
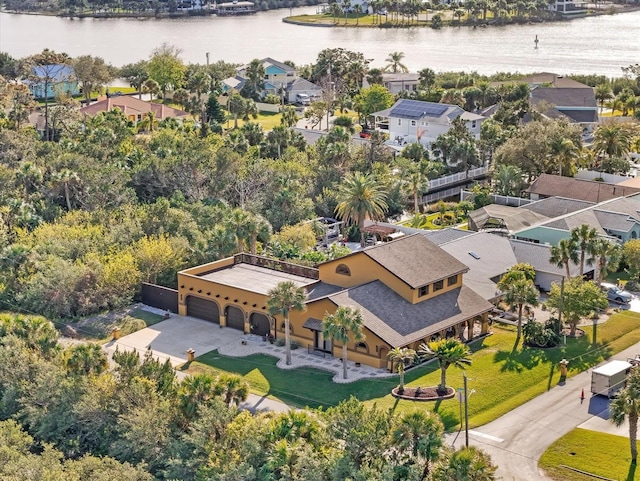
(590, 45)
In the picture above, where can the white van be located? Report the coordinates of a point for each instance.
(303, 99)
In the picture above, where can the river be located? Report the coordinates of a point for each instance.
(600, 45)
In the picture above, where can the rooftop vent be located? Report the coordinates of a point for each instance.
(474, 255)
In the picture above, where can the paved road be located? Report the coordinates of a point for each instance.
(516, 440)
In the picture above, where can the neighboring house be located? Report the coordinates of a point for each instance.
(615, 218)
(576, 104)
(409, 291)
(398, 82)
(568, 8)
(51, 80)
(279, 79)
(235, 8)
(410, 121)
(134, 109)
(537, 256)
(548, 185)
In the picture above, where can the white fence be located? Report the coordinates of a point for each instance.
(263, 107)
(460, 177)
(498, 199)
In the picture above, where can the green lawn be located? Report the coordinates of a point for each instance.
(601, 454)
(523, 373)
(268, 120)
(99, 328)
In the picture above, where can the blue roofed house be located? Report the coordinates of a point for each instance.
(409, 121)
(47, 81)
(279, 79)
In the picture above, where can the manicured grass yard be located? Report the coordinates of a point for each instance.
(502, 377)
(268, 120)
(601, 454)
(99, 328)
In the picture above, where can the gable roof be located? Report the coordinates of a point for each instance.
(267, 61)
(553, 79)
(133, 106)
(537, 255)
(302, 84)
(578, 104)
(56, 72)
(488, 256)
(399, 322)
(549, 185)
(556, 206)
(415, 260)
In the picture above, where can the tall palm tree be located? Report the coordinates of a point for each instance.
(361, 196)
(282, 299)
(418, 182)
(564, 153)
(420, 434)
(448, 352)
(626, 405)
(426, 79)
(258, 227)
(584, 236)
(289, 116)
(194, 392)
(613, 139)
(606, 255)
(150, 87)
(565, 252)
(339, 325)
(519, 291)
(508, 180)
(239, 223)
(466, 464)
(401, 356)
(602, 93)
(232, 387)
(65, 178)
(395, 64)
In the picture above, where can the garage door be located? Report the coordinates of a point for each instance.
(203, 309)
(235, 318)
(259, 324)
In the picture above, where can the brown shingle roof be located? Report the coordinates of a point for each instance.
(132, 106)
(548, 185)
(398, 322)
(415, 260)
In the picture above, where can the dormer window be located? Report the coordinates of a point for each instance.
(343, 270)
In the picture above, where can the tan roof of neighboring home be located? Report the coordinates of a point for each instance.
(132, 106)
(415, 260)
(554, 185)
(631, 182)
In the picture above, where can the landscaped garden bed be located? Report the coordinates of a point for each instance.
(422, 393)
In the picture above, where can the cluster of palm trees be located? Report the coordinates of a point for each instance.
(584, 246)
(625, 101)
(448, 352)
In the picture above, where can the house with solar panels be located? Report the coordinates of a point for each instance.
(409, 121)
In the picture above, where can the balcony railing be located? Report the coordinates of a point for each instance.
(276, 265)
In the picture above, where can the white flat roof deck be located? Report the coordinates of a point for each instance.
(255, 278)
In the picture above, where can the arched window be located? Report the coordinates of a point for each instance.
(362, 347)
(343, 270)
(290, 328)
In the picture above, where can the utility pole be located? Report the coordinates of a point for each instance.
(560, 306)
(466, 411)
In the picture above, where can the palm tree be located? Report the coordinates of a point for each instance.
(395, 64)
(282, 299)
(584, 236)
(602, 93)
(289, 116)
(360, 196)
(613, 139)
(335, 10)
(150, 87)
(418, 182)
(194, 392)
(508, 180)
(339, 325)
(627, 405)
(346, 6)
(65, 178)
(258, 227)
(419, 433)
(519, 291)
(426, 79)
(606, 255)
(239, 222)
(566, 251)
(86, 359)
(357, 9)
(565, 153)
(449, 352)
(401, 356)
(466, 464)
(232, 387)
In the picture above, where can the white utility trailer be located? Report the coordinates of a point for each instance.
(609, 378)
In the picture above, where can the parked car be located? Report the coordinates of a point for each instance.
(614, 293)
(365, 133)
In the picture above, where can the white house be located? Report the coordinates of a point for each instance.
(409, 121)
(568, 7)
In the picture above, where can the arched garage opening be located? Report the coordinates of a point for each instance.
(260, 324)
(235, 318)
(203, 309)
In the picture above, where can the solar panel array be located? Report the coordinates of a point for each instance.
(415, 109)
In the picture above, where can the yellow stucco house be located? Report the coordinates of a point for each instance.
(409, 291)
